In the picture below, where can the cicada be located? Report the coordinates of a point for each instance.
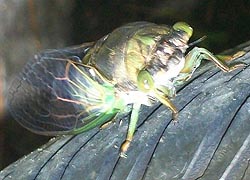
(73, 90)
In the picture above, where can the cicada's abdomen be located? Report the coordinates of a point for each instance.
(123, 53)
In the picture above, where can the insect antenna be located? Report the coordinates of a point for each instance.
(197, 41)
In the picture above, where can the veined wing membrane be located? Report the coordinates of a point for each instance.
(56, 94)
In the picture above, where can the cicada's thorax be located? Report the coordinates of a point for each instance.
(120, 55)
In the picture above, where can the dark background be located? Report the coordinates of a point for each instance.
(27, 27)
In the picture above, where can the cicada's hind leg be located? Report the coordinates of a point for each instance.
(194, 57)
(124, 111)
(131, 129)
(107, 124)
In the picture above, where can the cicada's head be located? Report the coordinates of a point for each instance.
(167, 61)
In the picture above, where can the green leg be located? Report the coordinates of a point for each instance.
(196, 55)
(131, 129)
(164, 100)
(231, 57)
(108, 123)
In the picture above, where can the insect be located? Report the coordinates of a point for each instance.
(73, 90)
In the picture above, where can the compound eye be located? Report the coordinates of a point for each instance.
(145, 81)
(183, 27)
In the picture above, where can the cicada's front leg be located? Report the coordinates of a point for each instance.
(131, 130)
(231, 57)
(194, 57)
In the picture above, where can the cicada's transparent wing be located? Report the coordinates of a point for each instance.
(56, 95)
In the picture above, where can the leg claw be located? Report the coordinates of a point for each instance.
(124, 148)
